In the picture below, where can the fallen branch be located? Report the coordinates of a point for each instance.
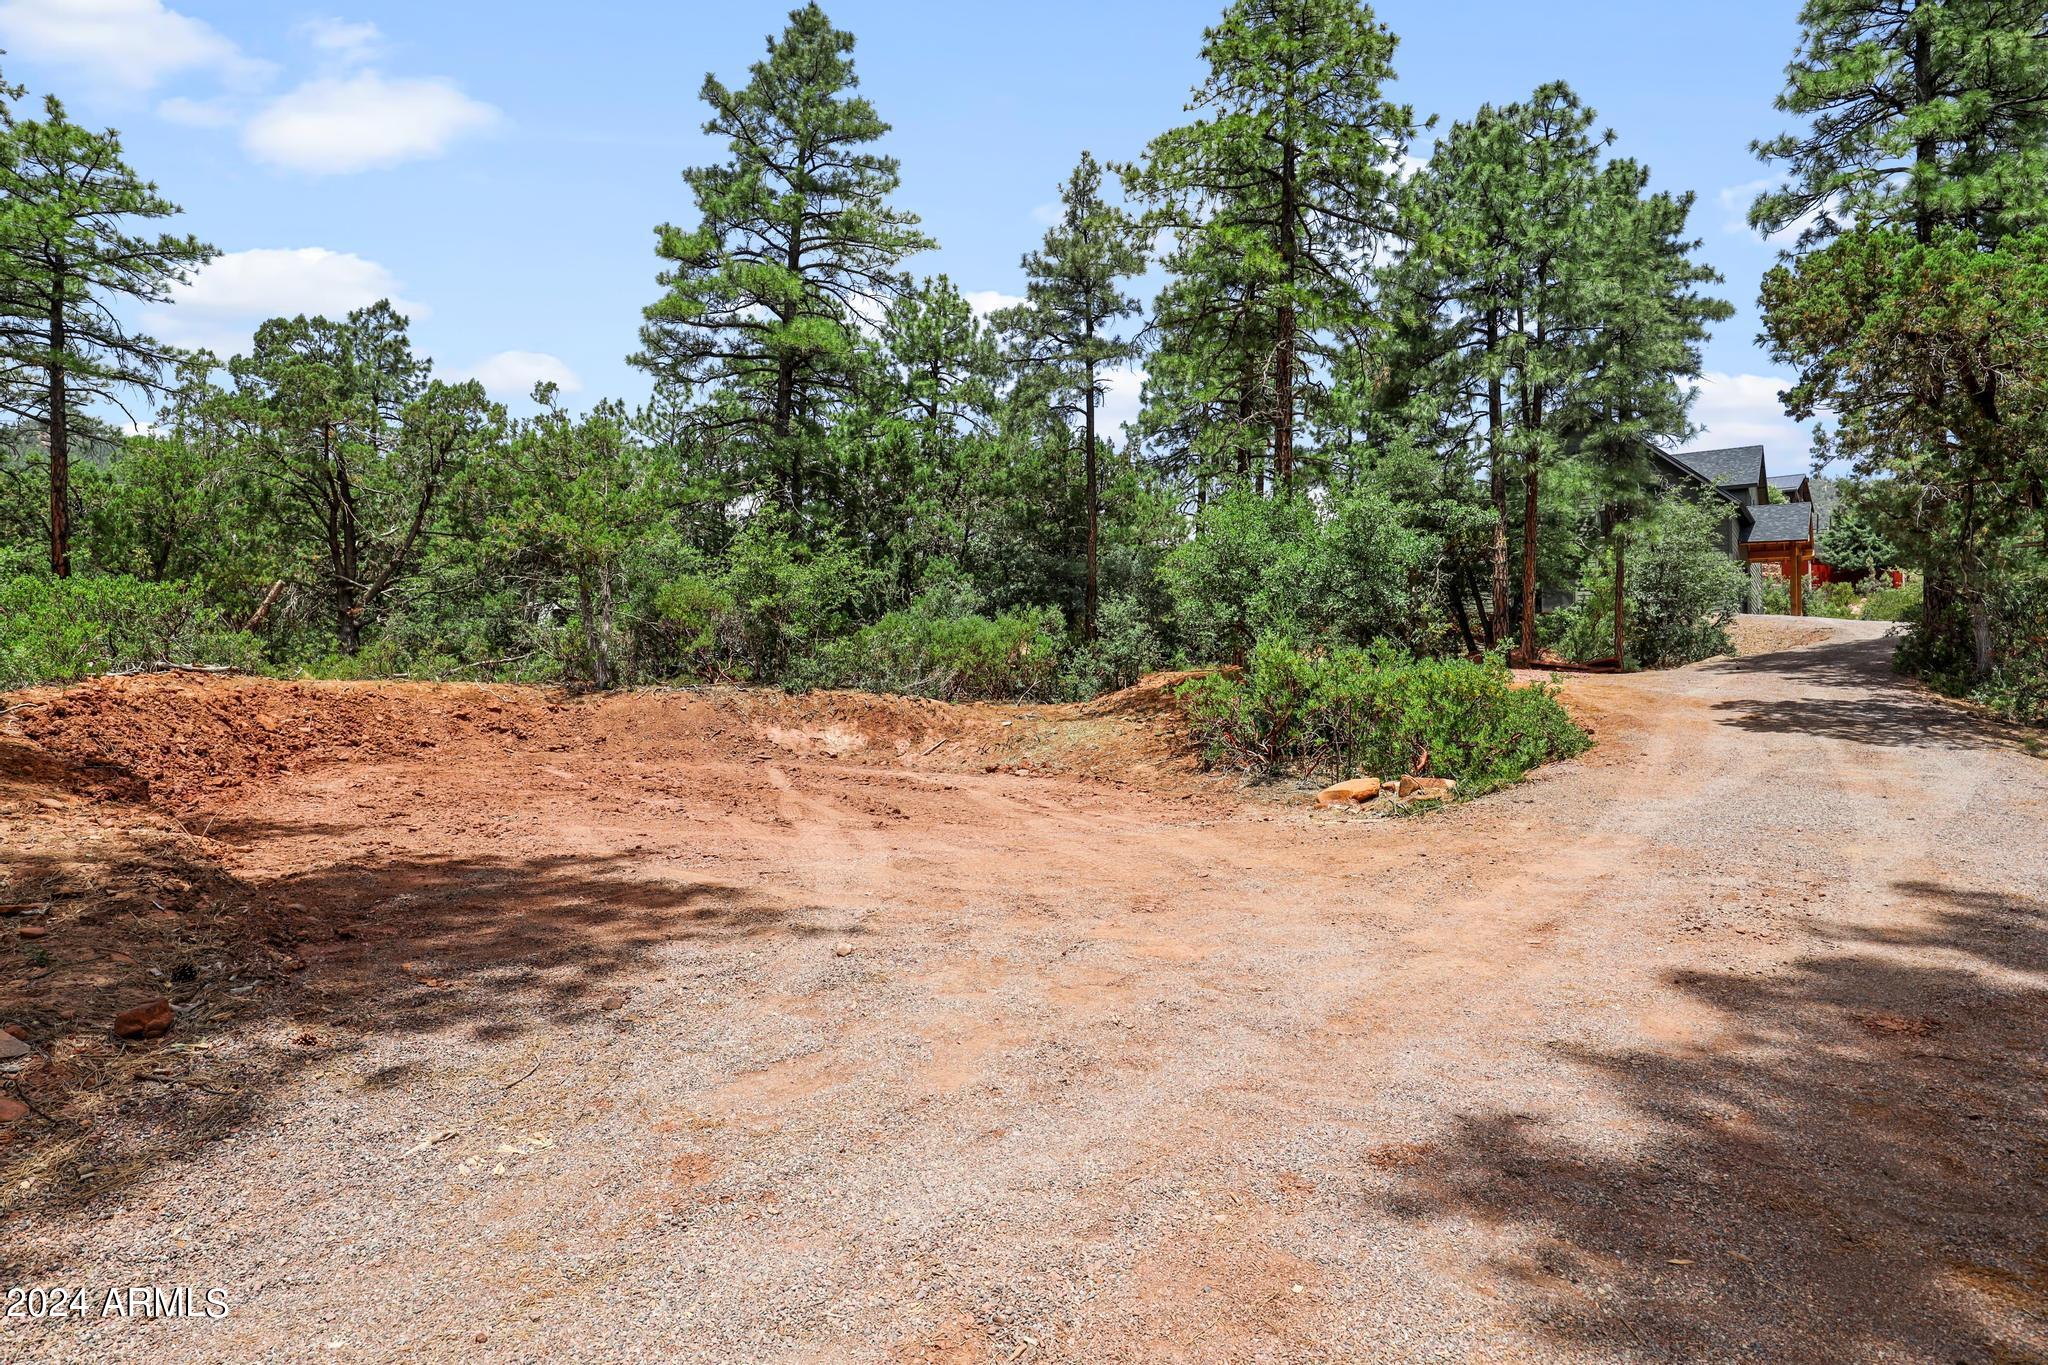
(524, 1074)
(166, 666)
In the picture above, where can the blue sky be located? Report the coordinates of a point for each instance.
(499, 167)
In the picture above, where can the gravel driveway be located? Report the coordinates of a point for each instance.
(1722, 1042)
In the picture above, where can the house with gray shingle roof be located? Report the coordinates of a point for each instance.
(1758, 531)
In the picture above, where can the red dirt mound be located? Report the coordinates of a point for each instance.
(175, 738)
(191, 741)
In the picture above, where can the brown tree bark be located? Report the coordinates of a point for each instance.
(1620, 598)
(1497, 624)
(60, 441)
(1283, 378)
(1092, 479)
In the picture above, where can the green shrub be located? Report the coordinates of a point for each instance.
(1683, 593)
(788, 600)
(924, 653)
(1893, 604)
(1124, 650)
(1836, 600)
(680, 635)
(59, 629)
(767, 613)
(1378, 712)
(1262, 568)
(2018, 685)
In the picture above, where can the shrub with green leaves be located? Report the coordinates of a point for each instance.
(1835, 600)
(1683, 592)
(60, 629)
(1893, 604)
(766, 614)
(1377, 712)
(1260, 568)
(922, 652)
(2018, 684)
(1124, 650)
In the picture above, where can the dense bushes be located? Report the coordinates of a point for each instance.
(58, 629)
(2018, 683)
(1262, 568)
(927, 653)
(1893, 604)
(1352, 711)
(1682, 589)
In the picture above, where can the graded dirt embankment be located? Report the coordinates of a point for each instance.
(514, 1026)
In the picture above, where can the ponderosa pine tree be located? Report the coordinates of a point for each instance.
(913, 457)
(1549, 305)
(1926, 144)
(1450, 302)
(1651, 327)
(795, 245)
(1921, 114)
(68, 263)
(1067, 327)
(1275, 196)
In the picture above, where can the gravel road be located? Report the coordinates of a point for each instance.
(1721, 1042)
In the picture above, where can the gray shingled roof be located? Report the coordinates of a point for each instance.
(1735, 465)
(1778, 521)
(1787, 482)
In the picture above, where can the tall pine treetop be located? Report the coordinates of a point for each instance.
(795, 245)
(1922, 114)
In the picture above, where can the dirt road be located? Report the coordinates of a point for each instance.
(661, 1028)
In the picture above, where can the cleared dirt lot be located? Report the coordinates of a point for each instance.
(737, 1027)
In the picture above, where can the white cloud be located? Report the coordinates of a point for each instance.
(129, 45)
(511, 375)
(220, 306)
(1743, 410)
(350, 42)
(363, 122)
(1119, 402)
(197, 113)
(1048, 213)
(986, 301)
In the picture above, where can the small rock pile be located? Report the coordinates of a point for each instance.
(1407, 790)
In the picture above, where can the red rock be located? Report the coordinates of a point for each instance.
(18, 1031)
(1425, 789)
(12, 1111)
(33, 931)
(152, 1020)
(1356, 792)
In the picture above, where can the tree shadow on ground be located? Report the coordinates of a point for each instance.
(1878, 707)
(296, 974)
(1857, 1172)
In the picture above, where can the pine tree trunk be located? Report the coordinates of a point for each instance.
(1527, 646)
(1925, 149)
(1283, 379)
(785, 393)
(60, 441)
(1094, 501)
(1620, 598)
(1497, 626)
